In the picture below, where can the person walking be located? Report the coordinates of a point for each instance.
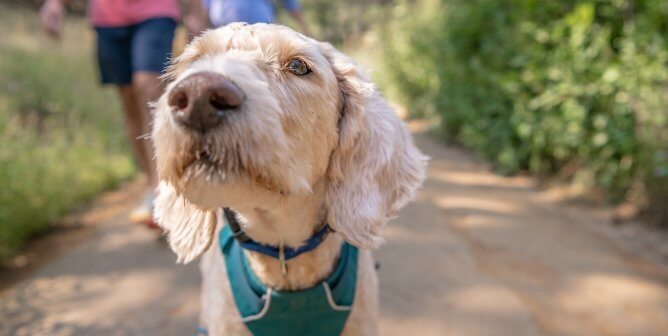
(223, 12)
(134, 42)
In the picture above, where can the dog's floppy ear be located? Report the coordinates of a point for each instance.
(376, 168)
(189, 229)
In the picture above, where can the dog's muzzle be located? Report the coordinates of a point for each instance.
(201, 101)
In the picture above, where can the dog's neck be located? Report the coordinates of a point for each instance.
(290, 222)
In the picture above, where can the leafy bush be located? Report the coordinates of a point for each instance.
(576, 87)
(61, 136)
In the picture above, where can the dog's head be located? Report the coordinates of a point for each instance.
(259, 111)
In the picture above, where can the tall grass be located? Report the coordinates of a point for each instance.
(61, 134)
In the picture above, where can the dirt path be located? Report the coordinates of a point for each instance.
(477, 254)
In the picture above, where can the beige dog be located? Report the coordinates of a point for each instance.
(290, 134)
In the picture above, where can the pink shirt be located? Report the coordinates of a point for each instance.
(120, 13)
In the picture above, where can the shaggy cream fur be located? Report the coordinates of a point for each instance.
(299, 151)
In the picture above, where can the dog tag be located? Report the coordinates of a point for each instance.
(281, 259)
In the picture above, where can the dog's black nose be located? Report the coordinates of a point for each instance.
(201, 100)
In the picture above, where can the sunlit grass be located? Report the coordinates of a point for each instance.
(61, 135)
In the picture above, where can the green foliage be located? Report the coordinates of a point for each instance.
(60, 134)
(541, 85)
(77, 7)
(342, 22)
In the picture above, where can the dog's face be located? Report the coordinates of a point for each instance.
(257, 111)
(277, 136)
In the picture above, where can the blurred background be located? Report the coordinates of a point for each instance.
(565, 98)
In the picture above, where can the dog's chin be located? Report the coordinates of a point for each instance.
(205, 168)
(212, 187)
(201, 182)
(206, 194)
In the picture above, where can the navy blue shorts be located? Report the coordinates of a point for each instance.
(145, 47)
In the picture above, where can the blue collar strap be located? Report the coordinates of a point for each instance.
(273, 251)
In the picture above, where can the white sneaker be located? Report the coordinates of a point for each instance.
(143, 214)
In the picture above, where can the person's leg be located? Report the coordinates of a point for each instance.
(136, 130)
(137, 118)
(151, 47)
(146, 87)
(115, 61)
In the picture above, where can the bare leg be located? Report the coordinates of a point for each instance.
(147, 87)
(135, 128)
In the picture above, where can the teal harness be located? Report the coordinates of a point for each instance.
(320, 310)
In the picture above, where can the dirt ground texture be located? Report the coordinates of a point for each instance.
(475, 254)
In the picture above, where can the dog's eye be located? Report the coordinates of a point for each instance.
(298, 67)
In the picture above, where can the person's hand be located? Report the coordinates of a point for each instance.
(51, 16)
